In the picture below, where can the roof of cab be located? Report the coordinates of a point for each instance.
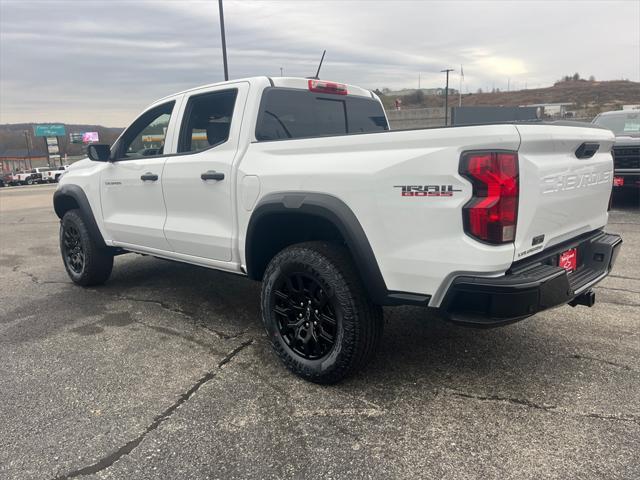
(285, 82)
(303, 84)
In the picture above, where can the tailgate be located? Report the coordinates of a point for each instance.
(561, 195)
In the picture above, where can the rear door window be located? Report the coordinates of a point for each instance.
(292, 113)
(207, 120)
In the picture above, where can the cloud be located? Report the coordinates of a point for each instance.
(501, 66)
(103, 61)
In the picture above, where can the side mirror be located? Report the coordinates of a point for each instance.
(99, 152)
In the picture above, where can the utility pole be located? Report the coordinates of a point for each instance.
(26, 142)
(460, 87)
(281, 70)
(446, 96)
(224, 41)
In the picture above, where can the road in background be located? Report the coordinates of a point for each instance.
(165, 372)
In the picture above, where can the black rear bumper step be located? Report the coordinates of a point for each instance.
(534, 285)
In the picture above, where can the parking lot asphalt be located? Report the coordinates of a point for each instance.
(165, 372)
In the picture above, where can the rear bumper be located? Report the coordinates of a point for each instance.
(531, 285)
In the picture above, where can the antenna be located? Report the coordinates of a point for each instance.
(317, 77)
(224, 42)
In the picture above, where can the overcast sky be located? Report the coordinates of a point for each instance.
(103, 61)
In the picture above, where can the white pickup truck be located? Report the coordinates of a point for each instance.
(32, 177)
(300, 184)
(53, 174)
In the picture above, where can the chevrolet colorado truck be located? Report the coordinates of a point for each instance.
(299, 183)
(625, 125)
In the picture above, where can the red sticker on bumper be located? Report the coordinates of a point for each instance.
(569, 260)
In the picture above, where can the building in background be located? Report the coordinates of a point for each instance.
(16, 160)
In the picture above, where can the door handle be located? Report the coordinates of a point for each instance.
(212, 175)
(149, 176)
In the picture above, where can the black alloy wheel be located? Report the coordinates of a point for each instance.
(307, 318)
(86, 261)
(317, 314)
(72, 249)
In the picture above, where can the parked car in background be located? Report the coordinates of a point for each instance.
(8, 179)
(53, 174)
(38, 175)
(625, 124)
(26, 178)
(34, 176)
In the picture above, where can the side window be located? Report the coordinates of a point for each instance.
(207, 120)
(366, 116)
(146, 136)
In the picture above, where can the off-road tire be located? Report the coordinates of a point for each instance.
(360, 324)
(97, 262)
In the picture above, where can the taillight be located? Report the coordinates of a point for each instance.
(321, 86)
(491, 214)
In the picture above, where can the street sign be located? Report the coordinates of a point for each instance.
(53, 149)
(48, 130)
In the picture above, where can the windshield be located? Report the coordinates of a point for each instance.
(622, 124)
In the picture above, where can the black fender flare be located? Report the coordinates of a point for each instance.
(64, 199)
(339, 214)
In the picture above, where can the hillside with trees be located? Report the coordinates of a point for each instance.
(589, 97)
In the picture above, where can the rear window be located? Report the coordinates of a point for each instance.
(291, 113)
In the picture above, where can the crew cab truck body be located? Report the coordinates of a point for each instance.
(299, 183)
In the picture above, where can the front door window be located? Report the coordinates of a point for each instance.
(146, 136)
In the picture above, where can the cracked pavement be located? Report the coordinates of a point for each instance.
(165, 372)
